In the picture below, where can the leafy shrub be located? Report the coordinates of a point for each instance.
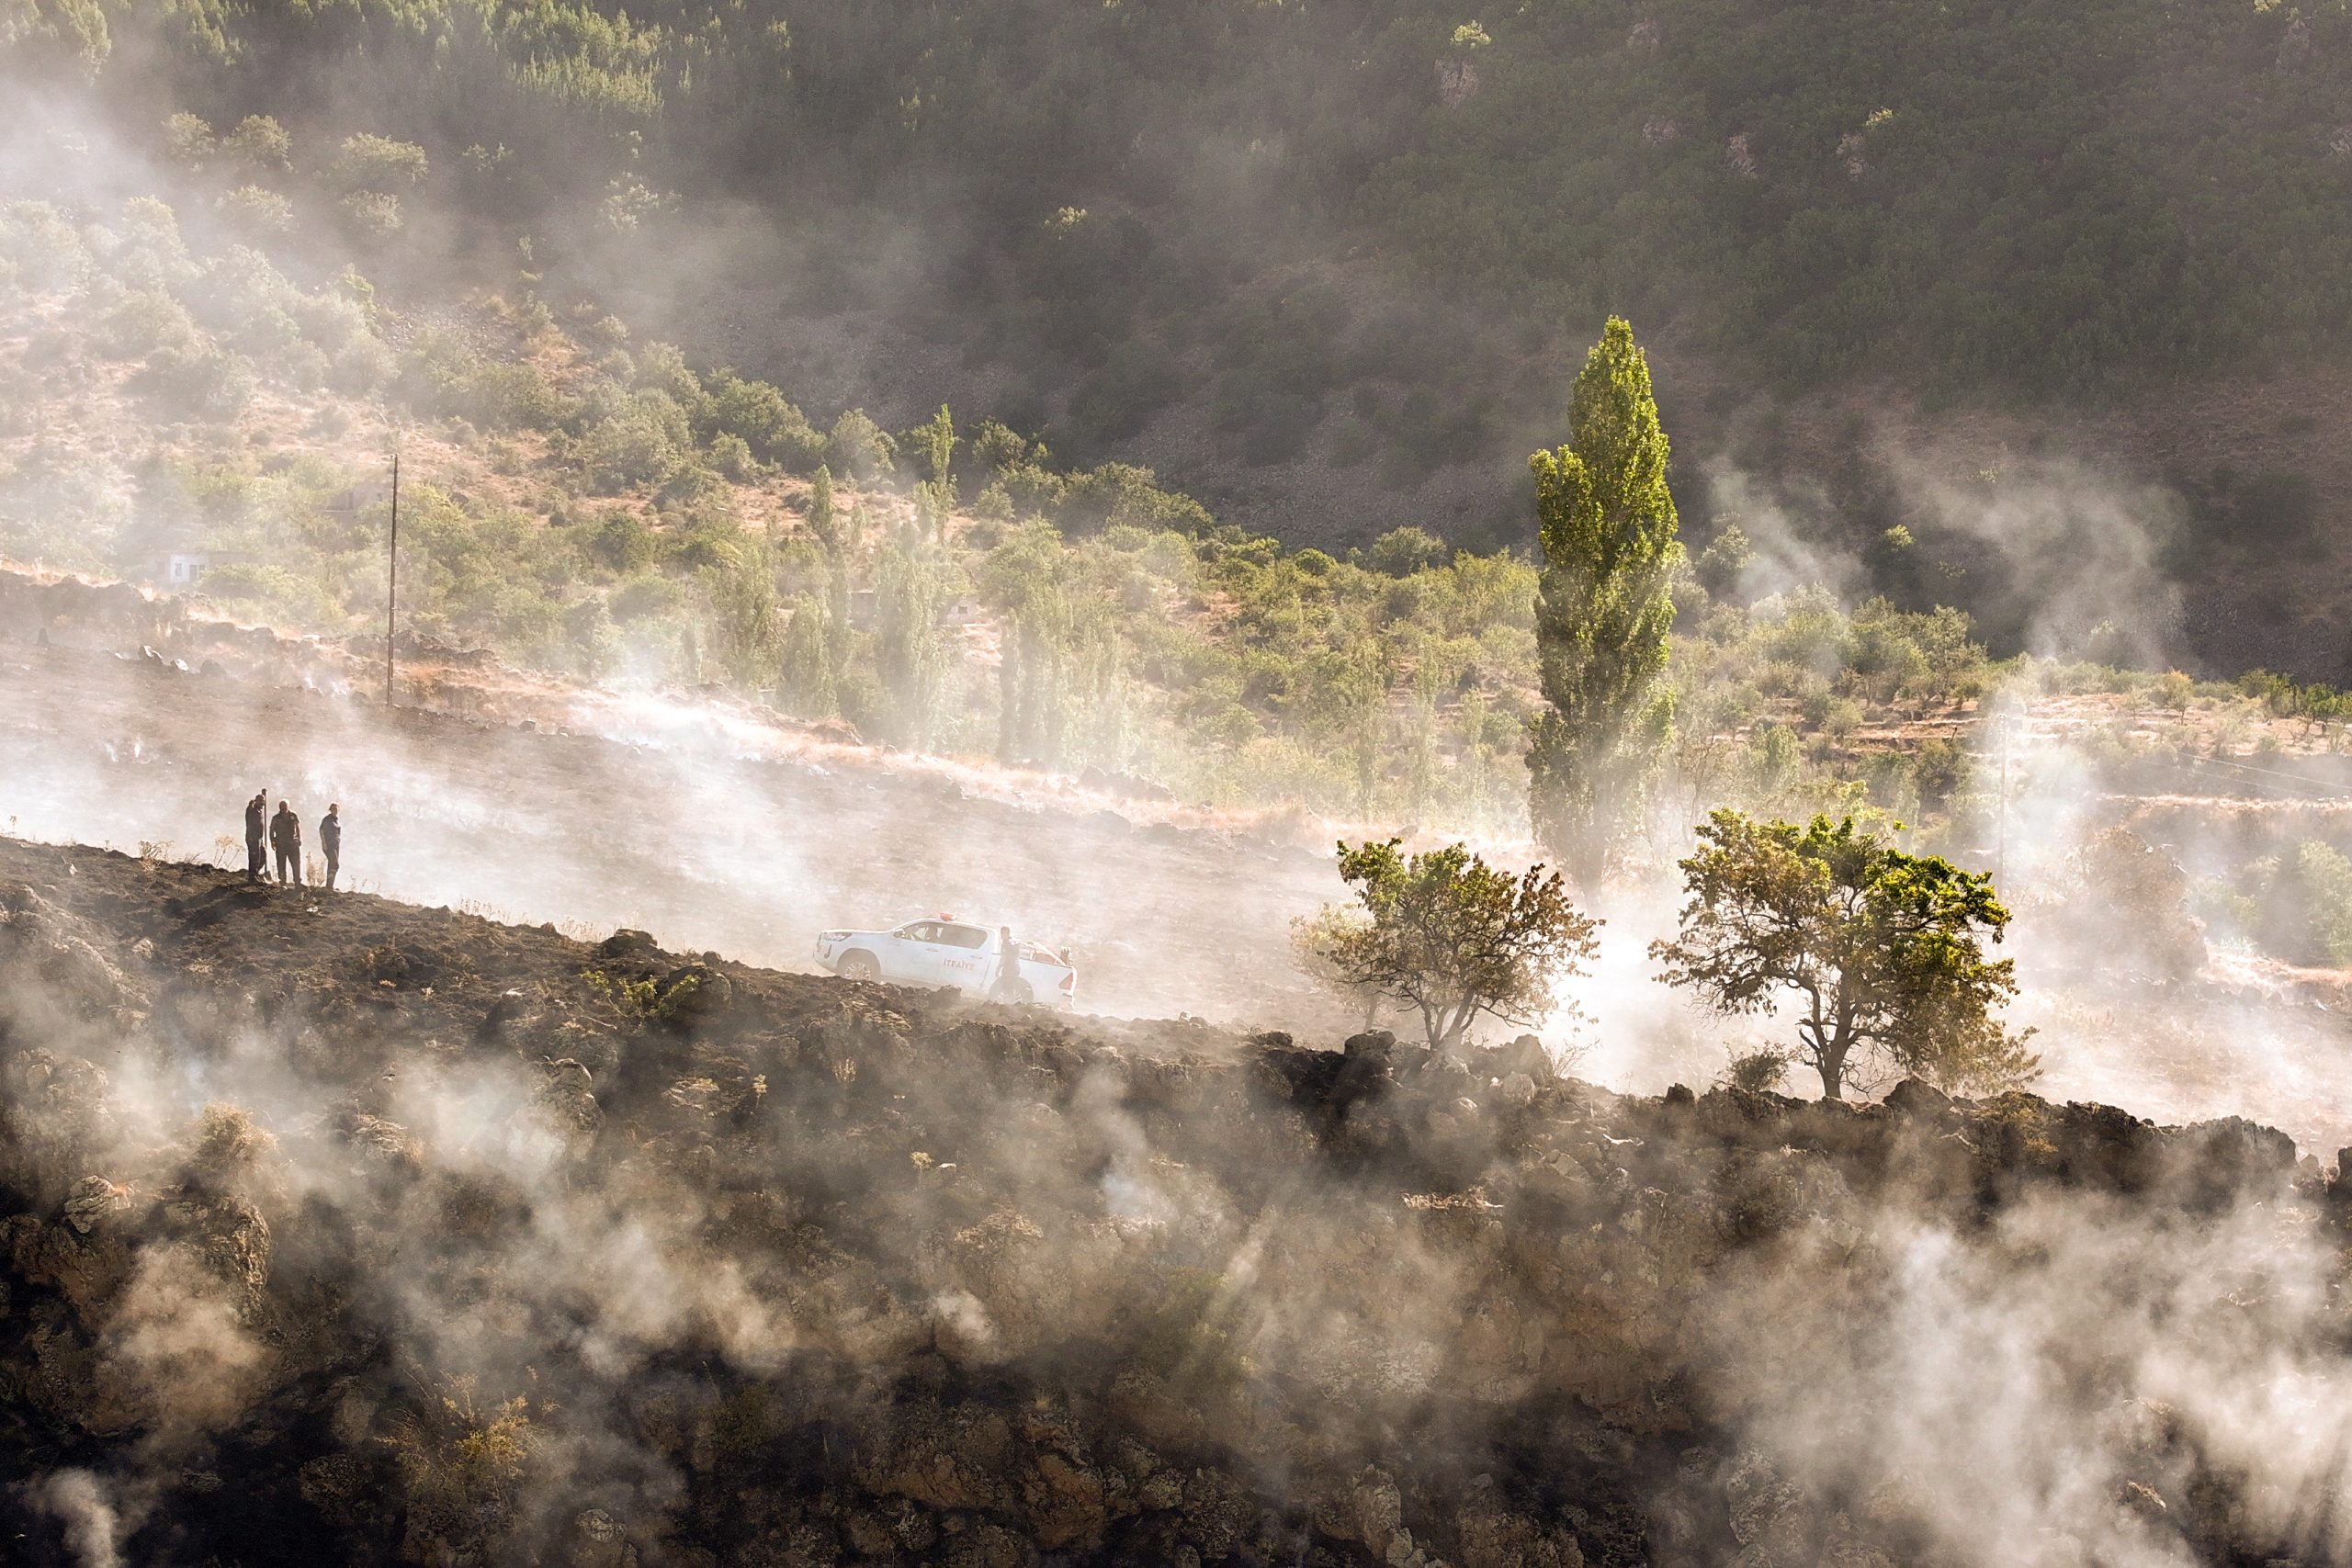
(373, 214)
(370, 164)
(1401, 552)
(144, 323)
(203, 381)
(261, 143)
(188, 139)
(859, 448)
(758, 415)
(1756, 1072)
(732, 457)
(258, 210)
(645, 442)
(623, 542)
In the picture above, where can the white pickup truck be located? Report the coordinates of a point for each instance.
(946, 952)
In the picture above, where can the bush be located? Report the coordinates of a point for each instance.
(43, 243)
(642, 598)
(731, 457)
(258, 210)
(1756, 1072)
(144, 323)
(859, 448)
(374, 214)
(188, 139)
(623, 542)
(758, 415)
(373, 163)
(645, 442)
(1401, 552)
(200, 382)
(261, 143)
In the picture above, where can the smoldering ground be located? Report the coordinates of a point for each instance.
(390, 1235)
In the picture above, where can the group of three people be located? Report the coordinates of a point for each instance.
(283, 833)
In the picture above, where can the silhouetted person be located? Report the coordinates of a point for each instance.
(331, 841)
(286, 837)
(256, 821)
(1005, 987)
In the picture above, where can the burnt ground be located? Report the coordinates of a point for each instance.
(341, 1230)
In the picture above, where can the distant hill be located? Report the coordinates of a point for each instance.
(1327, 266)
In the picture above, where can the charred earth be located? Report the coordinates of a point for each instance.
(338, 1230)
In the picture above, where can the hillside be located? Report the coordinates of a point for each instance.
(1328, 267)
(348, 1231)
(2181, 877)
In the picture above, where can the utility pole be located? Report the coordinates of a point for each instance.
(393, 589)
(2001, 843)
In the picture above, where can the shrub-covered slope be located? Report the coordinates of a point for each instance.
(1328, 265)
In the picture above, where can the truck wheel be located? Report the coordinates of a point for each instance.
(859, 964)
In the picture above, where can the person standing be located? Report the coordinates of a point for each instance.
(286, 837)
(1006, 987)
(331, 841)
(256, 821)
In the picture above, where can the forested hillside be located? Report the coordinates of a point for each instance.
(1325, 266)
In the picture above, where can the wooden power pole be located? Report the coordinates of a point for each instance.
(393, 589)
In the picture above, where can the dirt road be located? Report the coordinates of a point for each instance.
(691, 840)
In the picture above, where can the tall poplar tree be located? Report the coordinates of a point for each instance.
(1604, 609)
(821, 521)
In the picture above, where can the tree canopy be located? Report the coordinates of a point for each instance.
(1447, 936)
(1883, 951)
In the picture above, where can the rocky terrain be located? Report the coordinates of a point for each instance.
(337, 1230)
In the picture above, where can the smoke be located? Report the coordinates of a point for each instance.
(1786, 527)
(78, 1500)
(2030, 1395)
(2084, 550)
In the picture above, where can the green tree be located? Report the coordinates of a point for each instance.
(1318, 943)
(805, 678)
(859, 448)
(2119, 877)
(744, 608)
(370, 163)
(1604, 609)
(1400, 552)
(908, 658)
(1026, 580)
(934, 441)
(189, 139)
(1448, 936)
(1884, 950)
(822, 522)
(262, 143)
(759, 414)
